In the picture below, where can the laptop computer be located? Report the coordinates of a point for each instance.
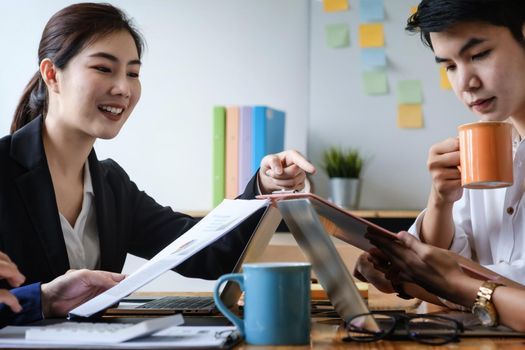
(308, 219)
(307, 229)
(204, 305)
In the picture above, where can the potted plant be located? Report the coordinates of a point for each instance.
(343, 167)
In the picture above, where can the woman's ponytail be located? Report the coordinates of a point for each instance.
(32, 103)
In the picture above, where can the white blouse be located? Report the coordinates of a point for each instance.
(82, 243)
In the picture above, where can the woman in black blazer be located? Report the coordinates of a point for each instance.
(61, 207)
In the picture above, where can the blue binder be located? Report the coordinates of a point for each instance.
(268, 133)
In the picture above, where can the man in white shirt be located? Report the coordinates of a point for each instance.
(488, 224)
(482, 47)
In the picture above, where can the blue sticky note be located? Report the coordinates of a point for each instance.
(373, 57)
(371, 10)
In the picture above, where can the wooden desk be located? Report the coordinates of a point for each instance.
(327, 333)
(327, 336)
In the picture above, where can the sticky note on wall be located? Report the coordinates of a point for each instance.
(410, 116)
(375, 82)
(337, 35)
(371, 35)
(444, 82)
(371, 11)
(373, 57)
(335, 5)
(409, 92)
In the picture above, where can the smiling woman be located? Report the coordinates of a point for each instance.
(83, 72)
(102, 79)
(62, 208)
(67, 33)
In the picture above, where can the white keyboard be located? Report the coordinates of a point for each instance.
(100, 333)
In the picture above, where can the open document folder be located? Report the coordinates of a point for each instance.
(220, 221)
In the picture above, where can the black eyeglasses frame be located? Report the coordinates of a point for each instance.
(404, 319)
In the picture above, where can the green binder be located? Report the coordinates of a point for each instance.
(219, 151)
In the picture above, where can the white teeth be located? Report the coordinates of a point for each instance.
(113, 110)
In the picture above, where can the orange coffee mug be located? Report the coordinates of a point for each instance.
(486, 154)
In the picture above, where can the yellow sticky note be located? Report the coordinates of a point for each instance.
(371, 35)
(335, 5)
(444, 82)
(413, 10)
(410, 116)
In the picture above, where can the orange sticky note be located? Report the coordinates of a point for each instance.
(444, 82)
(335, 5)
(410, 116)
(413, 10)
(371, 35)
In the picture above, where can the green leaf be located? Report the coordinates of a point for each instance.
(342, 163)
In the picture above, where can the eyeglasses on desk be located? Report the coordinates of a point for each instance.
(427, 329)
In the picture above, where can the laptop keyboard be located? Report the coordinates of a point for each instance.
(180, 303)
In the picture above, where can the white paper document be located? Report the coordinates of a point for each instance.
(100, 332)
(213, 226)
(173, 338)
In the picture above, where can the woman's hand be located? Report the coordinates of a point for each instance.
(443, 162)
(9, 272)
(285, 170)
(75, 287)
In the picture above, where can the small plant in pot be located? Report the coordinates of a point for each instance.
(343, 167)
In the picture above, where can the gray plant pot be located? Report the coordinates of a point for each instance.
(345, 192)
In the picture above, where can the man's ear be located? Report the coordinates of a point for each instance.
(48, 72)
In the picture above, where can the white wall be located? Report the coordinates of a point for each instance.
(395, 176)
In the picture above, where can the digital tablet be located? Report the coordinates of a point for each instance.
(352, 229)
(339, 222)
(307, 229)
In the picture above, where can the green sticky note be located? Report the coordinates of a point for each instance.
(375, 82)
(409, 92)
(337, 35)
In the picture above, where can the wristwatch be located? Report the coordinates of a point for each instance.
(483, 307)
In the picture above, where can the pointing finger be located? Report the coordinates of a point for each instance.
(294, 157)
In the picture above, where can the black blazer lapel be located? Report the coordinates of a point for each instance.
(105, 218)
(36, 190)
(39, 198)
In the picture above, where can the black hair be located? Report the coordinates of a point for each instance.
(68, 32)
(439, 15)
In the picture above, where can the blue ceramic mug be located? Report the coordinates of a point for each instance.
(276, 303)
